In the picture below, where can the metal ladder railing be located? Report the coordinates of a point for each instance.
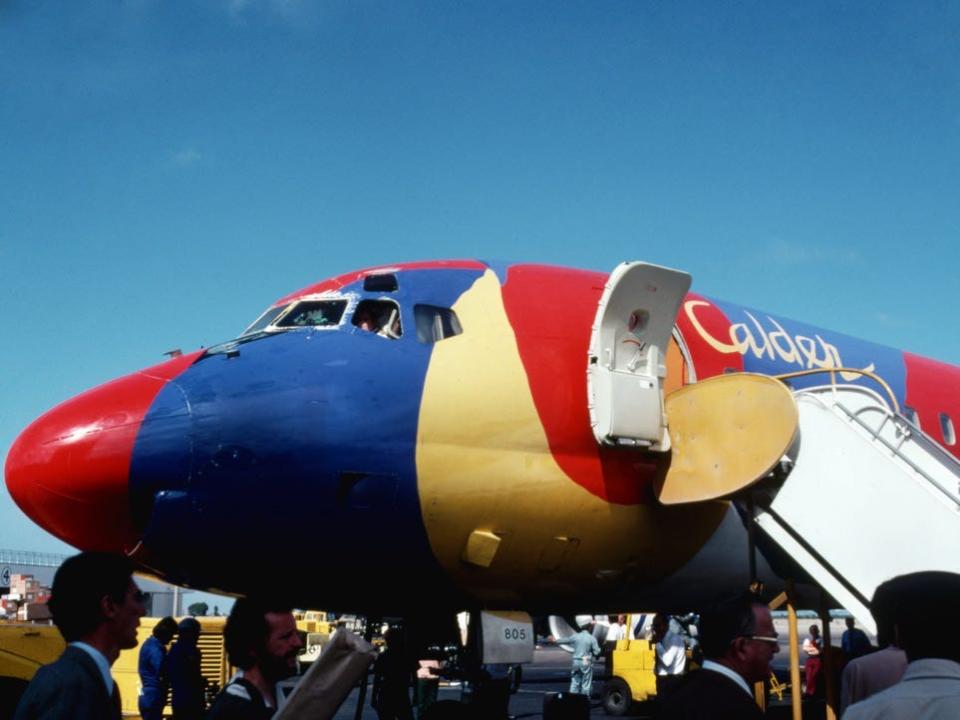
(826, 464)
(905, 434)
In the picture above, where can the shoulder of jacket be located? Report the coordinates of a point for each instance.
(69, 659)
(239, 690)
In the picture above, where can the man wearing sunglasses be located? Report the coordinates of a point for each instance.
(738, 642)
(97, 607)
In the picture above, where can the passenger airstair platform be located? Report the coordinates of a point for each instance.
(869, 496)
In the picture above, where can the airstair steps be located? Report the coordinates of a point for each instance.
(869, 497)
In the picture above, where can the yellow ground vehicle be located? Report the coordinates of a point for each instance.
(632, 677)
(213, 659)
(23, 649)
(632, 666)
(313, 621)
(316, 627)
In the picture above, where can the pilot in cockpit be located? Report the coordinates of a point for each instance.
(380, 317)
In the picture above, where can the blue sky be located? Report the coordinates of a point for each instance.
(168, 168)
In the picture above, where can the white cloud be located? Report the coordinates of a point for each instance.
(289, 10)
(236, 8)
(784, 252)
(185, 158)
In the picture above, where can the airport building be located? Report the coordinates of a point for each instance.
(26, 577)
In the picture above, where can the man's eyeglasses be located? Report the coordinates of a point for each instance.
(772, 639)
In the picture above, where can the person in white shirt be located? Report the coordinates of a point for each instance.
(671, 655)
(919, 608)
(618, 630)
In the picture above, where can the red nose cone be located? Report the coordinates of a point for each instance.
(69, 470)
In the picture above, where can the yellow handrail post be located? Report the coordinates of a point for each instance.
(759, 688)
(827, 656)
(794, 653)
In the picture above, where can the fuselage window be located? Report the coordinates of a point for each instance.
(435, 323)
(314, 313)
(264, 320)
(946, 425)
(378, 316)
(910, 414)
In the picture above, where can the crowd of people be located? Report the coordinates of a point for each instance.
(97, 606)
(914, 673)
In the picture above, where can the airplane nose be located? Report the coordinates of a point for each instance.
(69, 470)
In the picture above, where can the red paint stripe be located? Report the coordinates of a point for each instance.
(552, 310)
(933, 388)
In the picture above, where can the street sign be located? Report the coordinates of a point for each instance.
(5, 577)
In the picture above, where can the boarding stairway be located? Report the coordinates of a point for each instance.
(866, 496)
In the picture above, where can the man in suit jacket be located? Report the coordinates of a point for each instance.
(738, 642)
(97, 607)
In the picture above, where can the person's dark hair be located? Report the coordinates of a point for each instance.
(726, 620)
(919, 606)
(245, 633)
(79, 586)
(189, 629)
(165, 629)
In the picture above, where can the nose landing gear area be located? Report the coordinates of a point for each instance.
(550, 673)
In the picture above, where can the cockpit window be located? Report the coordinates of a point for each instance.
(314, 313)
(322, 313)
(380, 283)
(435, 323)
(268, 317)
(378, 316)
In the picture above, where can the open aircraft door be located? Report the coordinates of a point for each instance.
(627, 356)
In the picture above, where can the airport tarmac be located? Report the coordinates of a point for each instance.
(549, 673)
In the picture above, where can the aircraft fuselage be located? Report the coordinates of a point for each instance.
(373, 470)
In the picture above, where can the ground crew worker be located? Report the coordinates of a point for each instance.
(585, 652)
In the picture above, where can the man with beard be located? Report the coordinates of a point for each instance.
(262, 640)
(97, 607)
